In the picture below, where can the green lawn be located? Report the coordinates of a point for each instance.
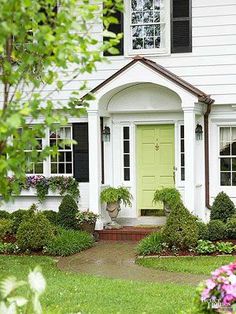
(70, 293)
(194, 265)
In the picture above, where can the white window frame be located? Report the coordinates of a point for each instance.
(123, 154)
(219, 157)
(47, 161)
(128, 50)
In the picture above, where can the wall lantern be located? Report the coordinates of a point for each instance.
(106, 134)
(198, 132)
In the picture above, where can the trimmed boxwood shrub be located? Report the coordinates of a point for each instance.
(67, 212)
(5, 227)
(181, 230)
(231, 228)
(34, 232)
(52, 216)
(152, 244)
(216, 230)
(68, 242)
(222, 207)
(17, 217)
(4, 214)
(203, 233)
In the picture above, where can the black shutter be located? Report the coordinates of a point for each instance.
(181, 26)
(117, 29)
(81, 152)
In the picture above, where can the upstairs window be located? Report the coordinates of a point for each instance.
(147, 25)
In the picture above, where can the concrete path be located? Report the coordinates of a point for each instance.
(117, 260)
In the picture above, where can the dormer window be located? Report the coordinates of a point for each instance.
(147, 24)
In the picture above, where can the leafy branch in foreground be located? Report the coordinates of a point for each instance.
(43, 48)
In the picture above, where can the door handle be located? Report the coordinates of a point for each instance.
(157, 145)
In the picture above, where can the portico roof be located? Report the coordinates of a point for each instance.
(202, 97)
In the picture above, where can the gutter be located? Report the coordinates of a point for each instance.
(206, 145)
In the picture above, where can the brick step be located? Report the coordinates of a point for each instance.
(125, 234)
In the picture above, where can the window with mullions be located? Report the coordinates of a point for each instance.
(227, 156)
(147, 24)
(182, 154)
(33, 167)
(126, 153)
(62, 162)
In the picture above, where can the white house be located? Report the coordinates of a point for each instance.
(176, 72)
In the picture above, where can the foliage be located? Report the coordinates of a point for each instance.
(170, 196)
(43, 185)
(225, 247)
(68, 210)
(68, 242)
(231, 227)
(86, 216)
(4, 214)
(205, 247)
(217, 293)
(35, 46)
(201, 265)
(222, 207)
(17, 217)
(181, 229)
(152, 244)
(120, 194)
(202, 230)
(11, 303)
(5, 227)
(34, 232)
(9, 248)
(217, 230)
(52, 216)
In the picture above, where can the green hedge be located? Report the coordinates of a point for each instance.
(68, 242)
(222, 207)
(216, 230)
(34, 232)
(151, 244)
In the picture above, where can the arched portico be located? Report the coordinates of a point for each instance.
(141, 94)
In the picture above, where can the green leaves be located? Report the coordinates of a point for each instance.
(43, 49)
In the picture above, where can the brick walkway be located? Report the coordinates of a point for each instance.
(117, 260)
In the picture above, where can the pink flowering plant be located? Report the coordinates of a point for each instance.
(218, 294)
(61, 184)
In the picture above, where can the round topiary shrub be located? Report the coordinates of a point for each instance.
(181, 229)
(216, 230)
(231, 228)
(67, 212)
(5, 227)
(17, 217)
(202, 230)
(4, 214)
(34, 232)
(222, 207)
(52, 216)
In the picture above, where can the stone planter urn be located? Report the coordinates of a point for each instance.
(167, 209)
(113, 211)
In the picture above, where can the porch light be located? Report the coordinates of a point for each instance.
(106, 134)
(198, 132)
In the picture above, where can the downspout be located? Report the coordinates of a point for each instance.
(206, 144)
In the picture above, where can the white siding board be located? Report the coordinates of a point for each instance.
(211, 3)
(214, 10)
(214, 20)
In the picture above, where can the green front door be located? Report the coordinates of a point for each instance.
(155, 163)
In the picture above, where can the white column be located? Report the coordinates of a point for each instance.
(95, 164)
(189, 147)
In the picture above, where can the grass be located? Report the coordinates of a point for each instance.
(194, 265)
(71, 293)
